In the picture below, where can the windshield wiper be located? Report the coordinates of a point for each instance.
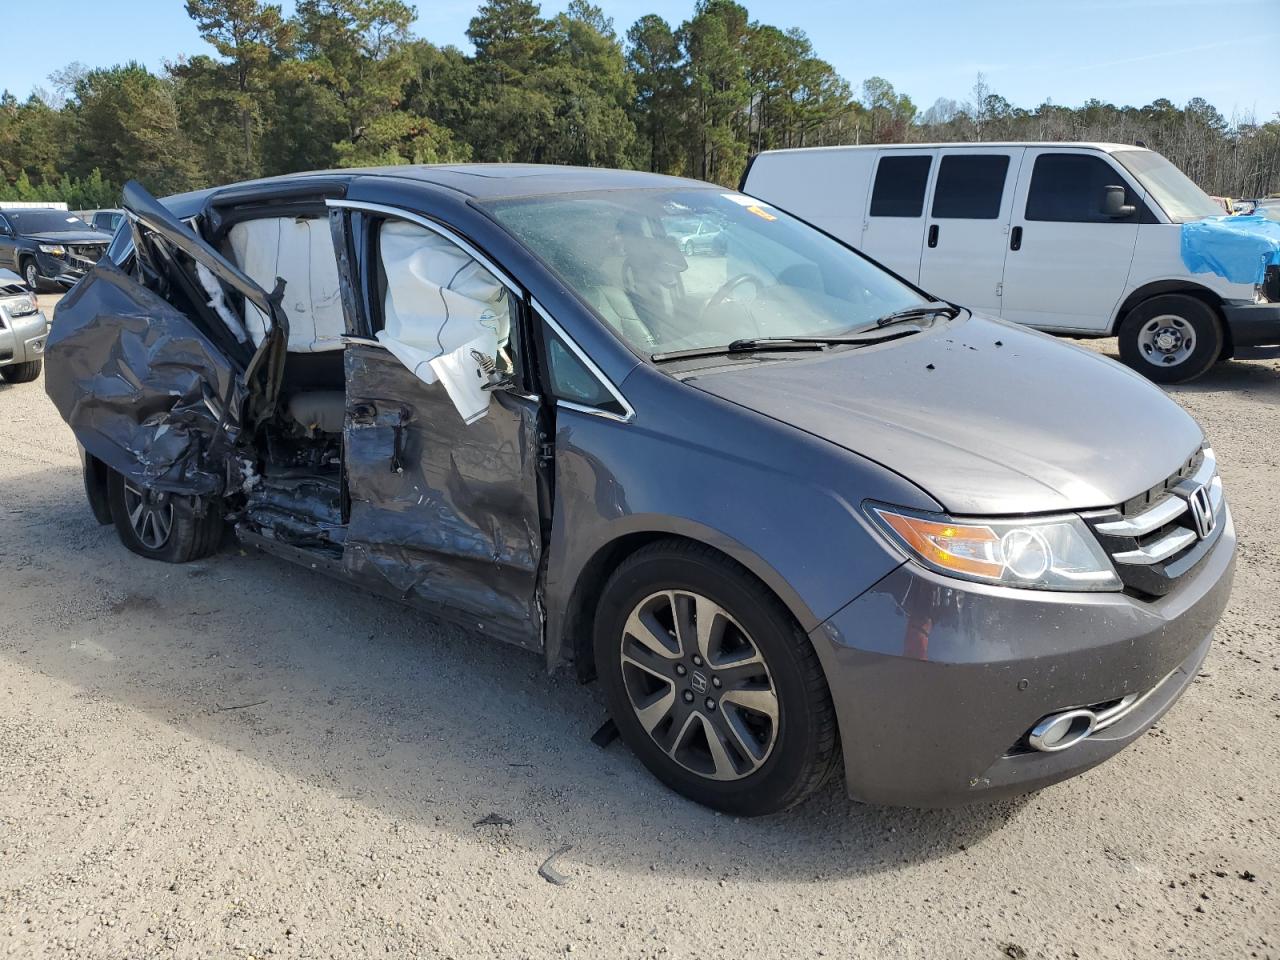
(761, 344)
(915, 313)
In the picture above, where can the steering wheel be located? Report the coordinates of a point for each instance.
(726, 290)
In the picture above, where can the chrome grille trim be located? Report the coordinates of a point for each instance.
(1166, 510)
(1162, 549)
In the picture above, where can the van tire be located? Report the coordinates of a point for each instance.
(1171, 338)
(21, 372)
(804, 746)
(190, 535)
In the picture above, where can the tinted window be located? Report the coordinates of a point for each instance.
(45, 221)
(1070, 187)
(571, 380)
(899, 187)
(970, 186)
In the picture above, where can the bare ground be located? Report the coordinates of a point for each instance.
(239, 758)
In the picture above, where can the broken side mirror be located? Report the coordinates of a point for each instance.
(1113, 204)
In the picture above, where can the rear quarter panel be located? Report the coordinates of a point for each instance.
(828, 188)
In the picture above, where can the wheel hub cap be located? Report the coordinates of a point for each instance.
(1167, 340)
(699, 685)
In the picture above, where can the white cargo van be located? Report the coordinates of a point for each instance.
(1076, 238)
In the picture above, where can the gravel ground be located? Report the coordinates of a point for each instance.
(237, 758)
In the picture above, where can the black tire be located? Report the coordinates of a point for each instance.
(21, 372)
(31, 274)
(190, 536)
(1181, 317)
(803, 748)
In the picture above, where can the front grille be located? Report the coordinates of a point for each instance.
(1155, 537)
(85, 255)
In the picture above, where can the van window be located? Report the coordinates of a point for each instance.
(970, 186)
(1070, 187)
(899, 187)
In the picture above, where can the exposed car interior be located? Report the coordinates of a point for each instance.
(439, 312)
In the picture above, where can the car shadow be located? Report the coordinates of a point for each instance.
(381, 706)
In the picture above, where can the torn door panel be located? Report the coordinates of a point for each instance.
(143, 388)
(435, 502)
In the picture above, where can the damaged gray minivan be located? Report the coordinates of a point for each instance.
(788, 509)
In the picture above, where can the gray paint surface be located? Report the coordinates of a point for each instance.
(770, 461)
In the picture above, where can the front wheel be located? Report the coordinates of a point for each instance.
(162, 526)
(20, 372)
(711, 682)
(1171, 338)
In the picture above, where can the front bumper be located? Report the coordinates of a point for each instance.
(937, 681)
(22, 339)
(64, 272)
(1253, 324)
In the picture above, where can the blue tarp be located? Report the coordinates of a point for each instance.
(1237, 248)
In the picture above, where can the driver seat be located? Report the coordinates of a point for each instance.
(616, 308)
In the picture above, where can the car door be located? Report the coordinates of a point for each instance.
(968, 225)
(893, 228)
(1068, 261)
(150, 366)
(8, 245)
(448, 513)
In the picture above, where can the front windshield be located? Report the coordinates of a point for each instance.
(688, 268)
(45, 221)
(1176, 193)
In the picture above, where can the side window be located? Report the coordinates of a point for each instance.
(1070, 188)
(970, 186)
(570, 379)
(899, 187)
(5, 229)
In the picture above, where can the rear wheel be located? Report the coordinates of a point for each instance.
(1171, 338)
(21, 372)
(711, 681)
(161, 526)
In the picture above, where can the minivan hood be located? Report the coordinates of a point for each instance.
(986, 417)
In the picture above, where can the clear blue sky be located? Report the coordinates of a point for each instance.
(1124, 51)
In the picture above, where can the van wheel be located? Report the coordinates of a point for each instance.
(20, 372)
(1171, 338)
(161, 526)
(711, 682)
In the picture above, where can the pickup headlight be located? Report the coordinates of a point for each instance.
(1041, 553)
(22, 307)
(56, 249)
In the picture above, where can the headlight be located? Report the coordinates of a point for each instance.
(1042, 553)
(57, 249)
(22, 307)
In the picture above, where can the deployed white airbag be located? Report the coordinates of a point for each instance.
(301, 252)
(446, 316)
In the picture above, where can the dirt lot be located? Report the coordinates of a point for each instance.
(236, 758)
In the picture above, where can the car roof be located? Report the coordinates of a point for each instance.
(979, 145)
(479, 181)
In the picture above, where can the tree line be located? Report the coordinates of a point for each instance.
(345, 83)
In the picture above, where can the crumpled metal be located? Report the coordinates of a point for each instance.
(1238, 249)
(144, 390)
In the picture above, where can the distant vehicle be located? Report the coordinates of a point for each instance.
(697, 236)
(1243, 207)
(106, 220)
(49, 245)
(1076, 238)
(23, 330)
(1224, 204)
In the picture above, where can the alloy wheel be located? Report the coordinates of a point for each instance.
(32, 276)
(150, 515)
(699, 685)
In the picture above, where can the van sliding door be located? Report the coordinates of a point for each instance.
(967, 228)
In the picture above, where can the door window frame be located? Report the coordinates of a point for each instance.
(530, 351)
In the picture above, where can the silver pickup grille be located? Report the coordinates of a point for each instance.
(1155, 538)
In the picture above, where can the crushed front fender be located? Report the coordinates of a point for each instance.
(145, 391)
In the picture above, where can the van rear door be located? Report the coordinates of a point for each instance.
(893, 231)
(968, 225)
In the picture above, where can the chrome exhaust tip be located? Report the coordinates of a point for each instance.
(1061, 731)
